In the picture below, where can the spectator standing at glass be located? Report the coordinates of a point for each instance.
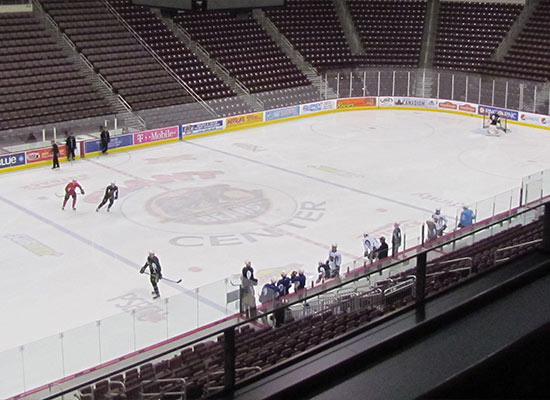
(395, 239)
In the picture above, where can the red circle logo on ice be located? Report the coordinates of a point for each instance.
(210, 205)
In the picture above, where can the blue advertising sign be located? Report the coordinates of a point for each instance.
(208, 126)
(508, 114)
(282, 113)
(311, 108)
(11, 160)
(116, 141)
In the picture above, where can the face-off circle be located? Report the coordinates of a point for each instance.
(209, 208)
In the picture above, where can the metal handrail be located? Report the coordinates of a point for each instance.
(167, 380)
(513, 247)
(215, 63)
(157, 58)
(450, 261)
(469, 269)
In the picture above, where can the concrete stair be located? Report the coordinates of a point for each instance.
(429, 36)
(307, 69)
(202, 54)
(346, 21)
(126, 118)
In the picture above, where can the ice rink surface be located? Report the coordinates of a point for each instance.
(278, 195)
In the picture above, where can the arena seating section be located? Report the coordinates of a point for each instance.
(391, 30)
(470, 32)
(157, 35)
(38, 82)
(313, 28)
(260, 347)
(247, 52)
(529, 57)
(42, 84)
(116, 54)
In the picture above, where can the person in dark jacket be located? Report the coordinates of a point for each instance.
(395, 239)
(270, 294)
(71, 146)
(105, 139)
(155, 273)
(55, 153)
(247, 295)
(382, 251)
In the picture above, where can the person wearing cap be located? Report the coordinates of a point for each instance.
(111, 194)
(466, 217)
(155, 273)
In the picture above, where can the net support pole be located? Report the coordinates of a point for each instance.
(54, 133)
(116, 123)
(43, 134)
(378, 90)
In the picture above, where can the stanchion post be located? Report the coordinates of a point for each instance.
(421, 279)
(229, 356)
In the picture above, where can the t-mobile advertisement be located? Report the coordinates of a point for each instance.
(155, 135)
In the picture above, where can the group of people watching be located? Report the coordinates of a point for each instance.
(271, 291)
(374, 249)
(438, 223)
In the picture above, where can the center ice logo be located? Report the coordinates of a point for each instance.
(210, 205)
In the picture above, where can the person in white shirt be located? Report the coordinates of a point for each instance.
(335, 260)
(371, 245)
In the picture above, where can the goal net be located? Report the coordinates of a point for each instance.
(501, 127)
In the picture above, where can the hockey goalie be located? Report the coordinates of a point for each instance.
(495, 126)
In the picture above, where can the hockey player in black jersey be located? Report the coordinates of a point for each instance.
(111, 194)
(154, 272)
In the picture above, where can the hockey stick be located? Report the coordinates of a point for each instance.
(165, 279)
(60, 195)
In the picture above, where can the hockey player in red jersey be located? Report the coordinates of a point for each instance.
(70, 191)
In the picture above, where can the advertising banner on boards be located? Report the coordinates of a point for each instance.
(203, 127)
(244, 120)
